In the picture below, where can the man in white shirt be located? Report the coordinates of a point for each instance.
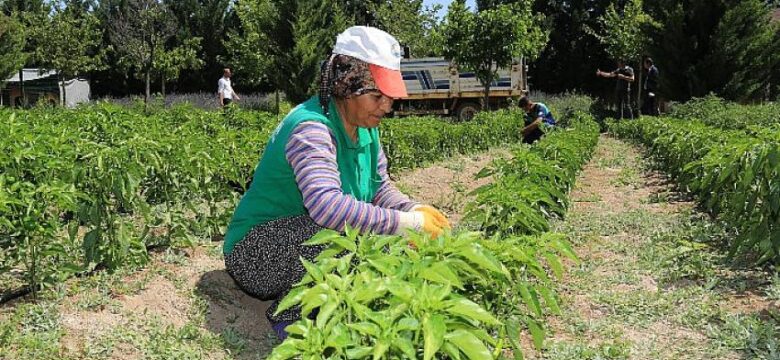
(225, 89)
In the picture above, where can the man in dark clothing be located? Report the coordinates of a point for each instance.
(625, 76)
(649, 97)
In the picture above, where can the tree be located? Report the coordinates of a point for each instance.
(24, 11)
(12, 40)
(168, 64)
(315, 34)
(412, 24)
(68, 42)
(210, 20)
(746, 50)
(249, 46)
(10, 7)
(139, 32)
(681, 46)
(625, 34)
(363, 12)
(774, 89)
(572, 53)
(718, 46)
(283, 41)
(492, 38)
(492, 4)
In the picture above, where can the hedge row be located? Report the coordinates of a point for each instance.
(714, 111)
(531, 187)
(734, 174)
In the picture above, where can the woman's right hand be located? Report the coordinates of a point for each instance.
(424, 219)
(437, 215)
(431, 224)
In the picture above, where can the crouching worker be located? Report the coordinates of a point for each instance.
(323, 168)
(536, 115)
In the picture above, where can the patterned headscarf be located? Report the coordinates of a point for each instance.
(344, 76)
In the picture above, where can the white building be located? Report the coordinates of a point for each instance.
(43, 87)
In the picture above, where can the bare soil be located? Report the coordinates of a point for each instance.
(447, 185)
(169, 300)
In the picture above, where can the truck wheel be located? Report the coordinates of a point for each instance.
(466, 111)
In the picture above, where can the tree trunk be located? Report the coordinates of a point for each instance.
(277, 103)
(64, 99)
(486, 100)
(639, 88)
(148, 77)
(21, 86)
(486, 84)
(149, 66)
(162, 87)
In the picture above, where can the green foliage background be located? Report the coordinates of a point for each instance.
(12, 40)
(727, 47)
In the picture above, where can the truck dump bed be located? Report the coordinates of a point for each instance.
(431, 78)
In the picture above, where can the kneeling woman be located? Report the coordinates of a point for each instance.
(323, 168)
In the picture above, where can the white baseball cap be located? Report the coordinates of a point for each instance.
(382, 53)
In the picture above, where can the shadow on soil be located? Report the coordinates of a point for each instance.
(238, 317)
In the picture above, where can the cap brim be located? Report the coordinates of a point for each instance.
(388, 81)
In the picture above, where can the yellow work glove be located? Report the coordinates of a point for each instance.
(431, 224)
(426, 219)
(441, 220)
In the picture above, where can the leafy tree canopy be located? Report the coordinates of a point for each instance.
(12, 41)
(493, 38)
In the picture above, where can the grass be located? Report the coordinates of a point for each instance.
(573, 351)
(152, 338)
(453, 165)
(452, 202)
(773, 290)
(615, 156)
(589, 198)
(759, 338)
(627, 176)
(125, 281)
(403, 188)
(32, 331)
(657, 284)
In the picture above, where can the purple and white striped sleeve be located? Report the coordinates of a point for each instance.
(388, 195)
(311, 152)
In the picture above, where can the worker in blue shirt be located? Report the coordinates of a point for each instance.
(536, 115)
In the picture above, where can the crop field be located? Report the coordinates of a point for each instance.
(658, 239)
(99, 187)
(640, 221)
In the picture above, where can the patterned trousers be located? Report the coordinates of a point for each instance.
(266, 262)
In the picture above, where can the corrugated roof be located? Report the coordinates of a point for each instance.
(32, 74)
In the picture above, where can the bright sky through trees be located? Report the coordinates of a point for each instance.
(445, 3)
